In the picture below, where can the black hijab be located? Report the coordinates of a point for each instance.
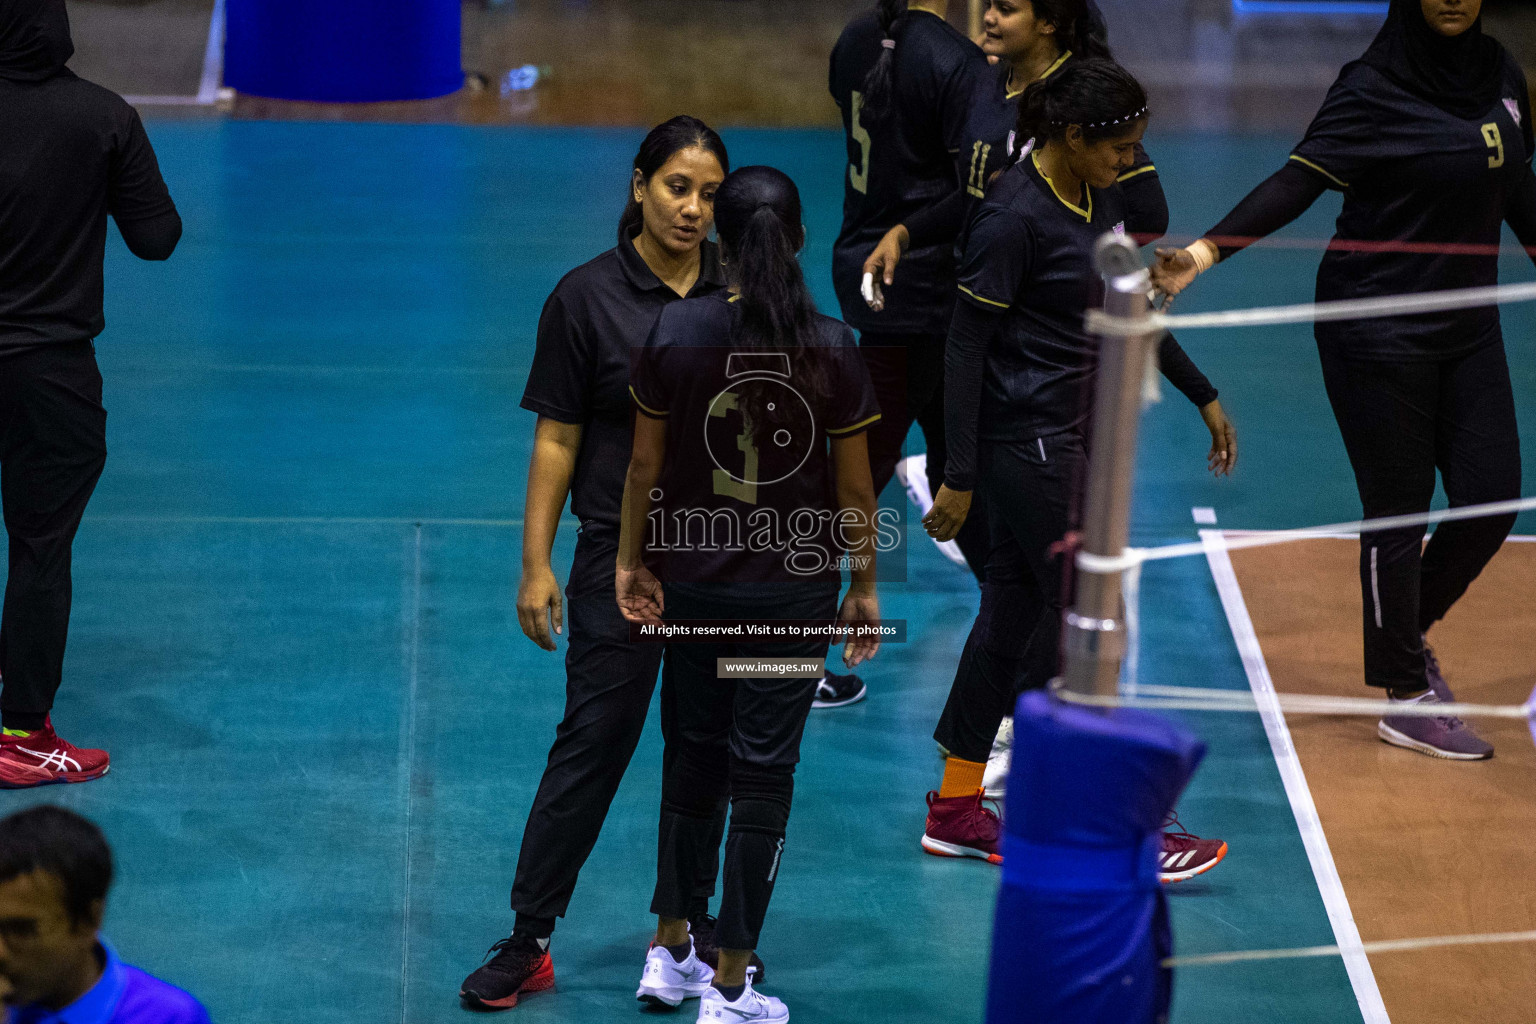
(34, 39)
(1461, 75)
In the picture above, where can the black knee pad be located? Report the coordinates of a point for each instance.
(697, 782)
(761, 797)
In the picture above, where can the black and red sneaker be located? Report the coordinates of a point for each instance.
(702, 928)
(39, 757)
(515, 966)
(1185, 855)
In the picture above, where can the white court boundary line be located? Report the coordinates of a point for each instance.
(1329, 885)
(213, 70)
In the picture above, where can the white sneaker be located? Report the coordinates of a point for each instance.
(913, 471)
(994, 782)
(753, 1007)
(667, 982)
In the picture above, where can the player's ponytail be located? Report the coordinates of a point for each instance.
(880, 83)
(1099, 96)
(664, 142)
(758, 218)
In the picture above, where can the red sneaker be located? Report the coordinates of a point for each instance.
(1184, 855)
(41, 758)
(960, 826)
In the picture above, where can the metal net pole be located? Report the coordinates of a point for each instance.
(1095, 642)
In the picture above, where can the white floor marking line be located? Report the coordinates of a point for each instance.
(1329, 885)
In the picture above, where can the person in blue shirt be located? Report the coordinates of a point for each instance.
(55, 870)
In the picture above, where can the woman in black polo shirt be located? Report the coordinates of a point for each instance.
(1019, 377)
(1428, 136)
(579, 386)
(751, 444)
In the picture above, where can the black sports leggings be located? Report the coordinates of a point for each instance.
(1401, 421)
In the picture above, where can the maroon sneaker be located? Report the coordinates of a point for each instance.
(1184, 855)
(960, 826)
(50, 759)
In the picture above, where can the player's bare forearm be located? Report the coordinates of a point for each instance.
(645, 461)
(555, 445)
(856, 502)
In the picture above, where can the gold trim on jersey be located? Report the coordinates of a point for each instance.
(1308, 163)
(983, 298)
(653, 413)
(1047, 73)
(857, 426)
(1136, 172)
(1085, 214)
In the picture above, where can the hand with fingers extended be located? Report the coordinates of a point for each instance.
(540, 606)
(1174, 271)
(880, 267)
(1222, 458)
(948, 514)
(639, 594)
(860, 608)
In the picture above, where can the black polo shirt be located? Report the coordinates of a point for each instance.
(992, 145)
(902, 164)
(1411, 172)
(733, 510)
(596, 315)
(1029, 258)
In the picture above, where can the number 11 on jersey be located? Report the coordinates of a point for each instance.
(858, 174)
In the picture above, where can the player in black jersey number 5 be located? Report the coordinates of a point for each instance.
(754, 523)
(1428, 136)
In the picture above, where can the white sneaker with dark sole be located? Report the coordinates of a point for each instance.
(666, 982)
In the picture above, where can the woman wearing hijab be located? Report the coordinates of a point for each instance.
(1428, 136)
(73, 153)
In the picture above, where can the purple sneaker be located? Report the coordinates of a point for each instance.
(1433, 674)
(1441, 736)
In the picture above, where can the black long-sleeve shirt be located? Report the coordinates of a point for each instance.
(1425, 197)
(1019, 362)
(73, 153)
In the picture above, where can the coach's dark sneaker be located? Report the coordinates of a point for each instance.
(1439, 736)
(702, 928)
(1186, 855)
(837, 690)
(516, 966)
(961, 826)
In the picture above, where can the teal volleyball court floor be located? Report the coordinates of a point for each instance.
(294, 622)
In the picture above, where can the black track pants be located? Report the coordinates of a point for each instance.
(53, 445)
(1015, 643)
(1401, 421)
(907, 371)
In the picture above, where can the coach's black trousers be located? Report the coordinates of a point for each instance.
(907, 371)
(608, 686)
(736, 739)
(53, 445)
(1401, 421)
(1015, 643)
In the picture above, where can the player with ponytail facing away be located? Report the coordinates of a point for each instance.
(1019, 378)
(782, 401)
(903, 78)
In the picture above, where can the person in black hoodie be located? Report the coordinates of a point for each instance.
(1428, 136)
(73, 153)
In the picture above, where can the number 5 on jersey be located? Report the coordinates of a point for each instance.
(858, 174)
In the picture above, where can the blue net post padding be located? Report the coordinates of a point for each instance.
(343, 51)
(1082, 922)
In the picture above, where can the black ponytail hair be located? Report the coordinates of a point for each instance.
(879, 84)
(758, 218)
(664, 142)
(1099, 96)
(1080, 26)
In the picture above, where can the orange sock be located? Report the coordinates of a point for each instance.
(961, 778)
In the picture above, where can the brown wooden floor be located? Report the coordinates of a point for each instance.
(1424, 847)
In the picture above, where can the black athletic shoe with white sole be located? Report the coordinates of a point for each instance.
(838, 691)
